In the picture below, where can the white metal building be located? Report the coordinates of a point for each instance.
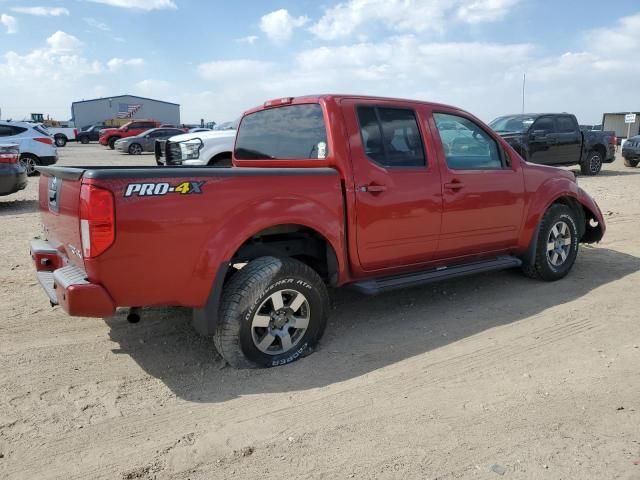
(98, 110)
(615, 122)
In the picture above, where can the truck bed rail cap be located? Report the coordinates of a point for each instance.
(109, 172)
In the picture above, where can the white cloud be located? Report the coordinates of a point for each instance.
(279, 25)
(250, 40)
(10, 22)
(221, 70)
(154, 88)
(140, 4)
(414, 16)
(117, 63)
(92, 22)
(42, 11)
(624, 38)
(478, 11)
(61, 42)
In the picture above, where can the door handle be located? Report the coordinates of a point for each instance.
(373, 188)
(454, 185)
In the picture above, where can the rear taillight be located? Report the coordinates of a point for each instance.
(75, 133)
(47, 140)
(9, 153)
(614, 140)
(97, 220)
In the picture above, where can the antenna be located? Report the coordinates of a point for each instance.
(524, 83)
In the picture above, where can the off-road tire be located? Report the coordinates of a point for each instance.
(592, 164)
(246, 292)
(112, 142)
(541, 267)
(631, 163)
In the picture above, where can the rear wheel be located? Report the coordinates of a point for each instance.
(272, 312)
(592, 164)
(60, 140)
(557, 245)
(135, 149)
(30, 162)
(631, 163)
(112, 142)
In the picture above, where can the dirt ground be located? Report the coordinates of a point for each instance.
(484, 377)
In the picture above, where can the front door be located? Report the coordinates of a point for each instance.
(543, 142)
(483, 193)
(569, 139)
(397, 185)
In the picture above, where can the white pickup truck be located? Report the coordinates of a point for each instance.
(62, 135)
(213, 148)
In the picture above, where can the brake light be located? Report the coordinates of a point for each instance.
(97, 220)
(75, 133)
(278, 101)
(614, 140)
(9, 153)
(47, 140)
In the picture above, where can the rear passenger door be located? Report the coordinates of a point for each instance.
(397, 185)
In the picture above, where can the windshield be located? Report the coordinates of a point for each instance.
(514, 123)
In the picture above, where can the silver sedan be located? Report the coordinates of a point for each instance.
(146, 141)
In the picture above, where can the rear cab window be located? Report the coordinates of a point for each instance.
(283, 133)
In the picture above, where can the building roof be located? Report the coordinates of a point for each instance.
(120, 96)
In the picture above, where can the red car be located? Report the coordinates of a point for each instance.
(325, 191)
(109, 136)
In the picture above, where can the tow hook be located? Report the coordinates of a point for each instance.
(134, 315)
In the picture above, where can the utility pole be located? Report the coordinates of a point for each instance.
(524, 82)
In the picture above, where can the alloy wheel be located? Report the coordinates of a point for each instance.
(558, 244)
(280, 322)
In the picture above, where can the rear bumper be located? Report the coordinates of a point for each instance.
(12, 179)
(48, 160)
(611, 154)
(68, 285)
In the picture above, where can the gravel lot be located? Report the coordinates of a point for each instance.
(474, 378)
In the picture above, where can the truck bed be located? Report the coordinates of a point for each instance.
(173, 225)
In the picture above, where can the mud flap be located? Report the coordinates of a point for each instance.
(205, 319)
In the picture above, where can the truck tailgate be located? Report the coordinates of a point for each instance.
(59, 202)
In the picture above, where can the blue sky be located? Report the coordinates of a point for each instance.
(219, 58)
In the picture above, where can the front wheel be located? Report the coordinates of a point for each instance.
(112, 142)
(630, 163)
(60, 140)
(84, 140)
(592, 164)
(557, 245)
(272, 312)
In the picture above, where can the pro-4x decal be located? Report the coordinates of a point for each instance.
(162, 188)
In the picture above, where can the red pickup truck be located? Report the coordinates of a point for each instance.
(109, 136)
(325, 191)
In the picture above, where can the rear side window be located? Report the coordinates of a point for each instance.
(390, 136)
(284, 133)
